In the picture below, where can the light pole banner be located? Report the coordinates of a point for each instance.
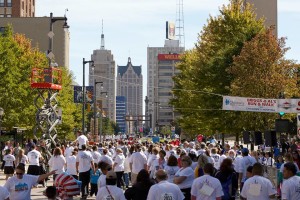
(261, 105)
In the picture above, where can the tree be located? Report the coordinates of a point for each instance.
(261, 70)
(203, 77)
(166, 130)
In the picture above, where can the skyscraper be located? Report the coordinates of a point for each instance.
(104, 71)
(121, 113)
(17, 8)
(130, 85)
(170, 47)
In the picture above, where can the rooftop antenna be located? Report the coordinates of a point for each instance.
(180, 23)
(102, 38)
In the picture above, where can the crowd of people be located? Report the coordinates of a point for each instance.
(152, 171)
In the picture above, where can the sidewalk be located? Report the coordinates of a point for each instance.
(37, 193)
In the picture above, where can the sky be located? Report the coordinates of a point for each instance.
(130, 26)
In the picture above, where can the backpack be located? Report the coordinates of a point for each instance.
(227, 188)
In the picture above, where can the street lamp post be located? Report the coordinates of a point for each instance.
(83, 90)
(52, 21)
(95, 103)
(100, 126)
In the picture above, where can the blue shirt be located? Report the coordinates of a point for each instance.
(95, 177)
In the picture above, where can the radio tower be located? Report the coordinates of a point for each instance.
(180, 23)
(102, 39)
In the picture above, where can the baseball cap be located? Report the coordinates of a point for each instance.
(245, 150)
(111, 175)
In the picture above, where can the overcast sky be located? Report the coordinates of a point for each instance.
(132, 25)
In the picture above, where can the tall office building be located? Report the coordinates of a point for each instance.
(130, 85)
(267, 9)
(121, 113)
(104, 71)
(170, 47)
(37, 29)
(17, 8)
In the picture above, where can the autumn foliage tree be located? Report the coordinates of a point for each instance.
(262, 71)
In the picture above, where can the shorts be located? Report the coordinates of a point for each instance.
(9, 170)
(34, 170)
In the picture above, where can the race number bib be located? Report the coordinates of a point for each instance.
(108, 197)
(254, 189)
(206, 190)
(167, 196)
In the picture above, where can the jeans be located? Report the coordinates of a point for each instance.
(126, 178)
(84, 177)
(120, 181)
(94, 189)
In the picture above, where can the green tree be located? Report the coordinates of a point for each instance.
(166, 130)
(261, 70)
(204, 78)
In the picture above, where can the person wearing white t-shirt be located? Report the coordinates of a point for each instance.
(291, 186)
(4, 194)
(110, 191)
(171, 168)
(138, 161)
(57, 162)
(215, 157)
(9, 164)
(258, 187)
(159, 163)
(207, 187)
(19, 186)
(118, 166)
(69, 150)
(184, 177)
(34, 157)
(164, 189)
(82, 140)
(106, 158)
(71, 165)
(21, 158)
(244, 164)
(95, 154)
(84, 163)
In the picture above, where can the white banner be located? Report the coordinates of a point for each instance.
(261, 105)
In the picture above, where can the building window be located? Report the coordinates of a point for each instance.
(1, 3)
(8, 3)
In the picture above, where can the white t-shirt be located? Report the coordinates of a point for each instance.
(107, 159)
(209, 184)
(237, 162)
(138, 161)
(222, 157)
(216, 158)
(156, 165)
(101, 181)
(84, 158)
(4, 194)
(68, 151)
(258, 187)
(151, 158)
(20, 189)
(282, 166)
(119, 160)
(188, 172)
(82, 139)
(201, 151)
(126, 164)
(165, 190)
(116, 193)
(23, 160)
(171, 171)
(96, 156)
(71, 165)
(57, 163)
(34, 157)
(9, 160)
(291, 188)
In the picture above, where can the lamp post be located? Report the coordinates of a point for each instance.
(51, 34)
(100, 126)
(1, 114)
(83, 90)
(95, 103)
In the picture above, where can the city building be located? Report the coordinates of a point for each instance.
(130, 85)
(268, 10)
(121, 113)
(166, 69)
(153, 92)
(104, 71)
(37, 29)
(17, 8)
